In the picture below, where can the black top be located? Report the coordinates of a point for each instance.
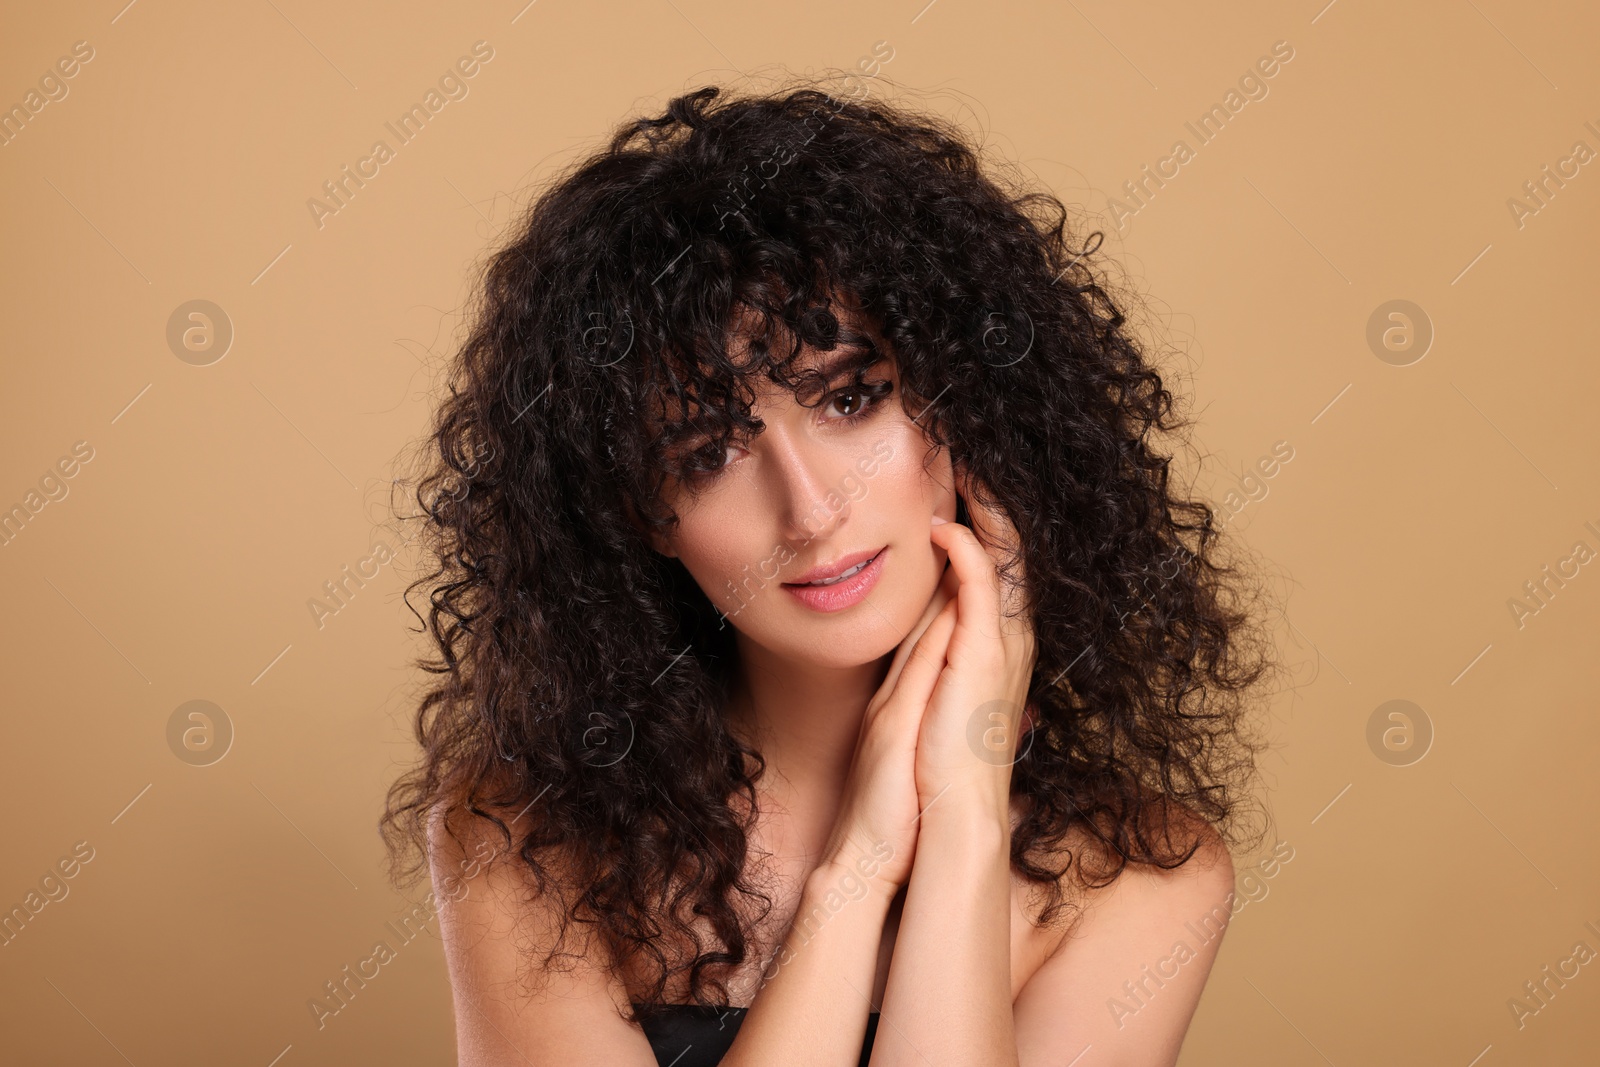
(694, 1035)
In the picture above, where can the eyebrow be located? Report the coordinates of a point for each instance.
(845, 358)
(848, 357)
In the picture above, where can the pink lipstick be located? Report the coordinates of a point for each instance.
(845, 583)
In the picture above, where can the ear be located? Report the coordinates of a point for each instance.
(963, 483)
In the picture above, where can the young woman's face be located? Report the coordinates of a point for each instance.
(820, 489)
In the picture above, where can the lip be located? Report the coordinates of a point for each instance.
(834, 569)
(841, 595)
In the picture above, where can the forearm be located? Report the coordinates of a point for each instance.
(812, 1006)
(948, 999)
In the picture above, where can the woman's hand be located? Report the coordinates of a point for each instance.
(976, 712)
(878, 813)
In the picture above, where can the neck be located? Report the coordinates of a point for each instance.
(805, 720)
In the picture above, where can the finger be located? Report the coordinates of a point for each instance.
(999, 537)
(993, 526)
(943, 593)
(926, 660)
(978, 597)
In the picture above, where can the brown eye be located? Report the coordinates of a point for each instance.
(852, 395)
(856, 401)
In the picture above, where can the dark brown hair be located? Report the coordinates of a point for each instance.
(580, 675)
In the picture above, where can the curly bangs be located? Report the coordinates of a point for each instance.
(581, 675)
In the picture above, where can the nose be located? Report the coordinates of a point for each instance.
(810, 504)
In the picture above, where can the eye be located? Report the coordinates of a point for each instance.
(851, 398)
(860, 398)
(704, 463)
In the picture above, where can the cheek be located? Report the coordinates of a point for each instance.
(908, 481)
(914, 483)
(711, 551)
(720, 549)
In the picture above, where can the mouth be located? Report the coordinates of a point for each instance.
(853, 578)
(840, 569)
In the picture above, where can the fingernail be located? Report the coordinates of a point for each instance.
(937, 521)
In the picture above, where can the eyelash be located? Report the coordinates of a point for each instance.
(874, 393)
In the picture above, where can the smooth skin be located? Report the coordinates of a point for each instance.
(910, 780)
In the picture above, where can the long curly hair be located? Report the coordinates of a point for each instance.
(581, 676)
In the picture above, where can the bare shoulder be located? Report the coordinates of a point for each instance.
(1143, 891)
(1127, 973)
(499, 925)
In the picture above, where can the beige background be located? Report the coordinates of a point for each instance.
(220, 498)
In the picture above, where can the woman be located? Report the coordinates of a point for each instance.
(827, 669)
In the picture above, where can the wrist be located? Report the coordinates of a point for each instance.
(961, 861)
(854, 872)
(974, 800)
